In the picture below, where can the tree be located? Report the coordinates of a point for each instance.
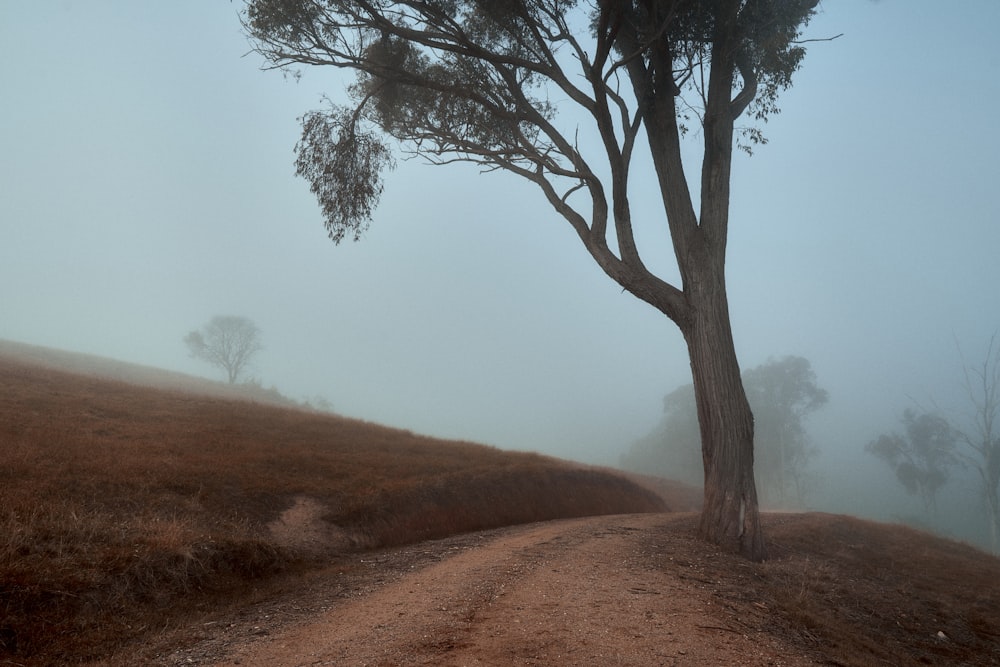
(982, 437)
(672, 448)
(922, 457)
(563, 93)
(227, 341)
(782, 393)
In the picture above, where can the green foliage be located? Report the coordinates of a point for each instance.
(343, 163)
(921, 457)
(768, 54)
(473, 80)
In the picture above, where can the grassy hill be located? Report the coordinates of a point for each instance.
(133, 500)
(128, 495)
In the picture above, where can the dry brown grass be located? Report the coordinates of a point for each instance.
(861, 593)
(848, 592)
(125, 509)
(126, 513)
(855, 593)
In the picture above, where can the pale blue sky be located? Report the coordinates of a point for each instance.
(148, 185)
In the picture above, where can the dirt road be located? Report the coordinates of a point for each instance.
(620, 590)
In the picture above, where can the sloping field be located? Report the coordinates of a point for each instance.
(178, 521)
(122, 505)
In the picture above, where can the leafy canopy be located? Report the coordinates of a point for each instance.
(487, 82)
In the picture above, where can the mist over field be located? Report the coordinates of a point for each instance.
(148, 186)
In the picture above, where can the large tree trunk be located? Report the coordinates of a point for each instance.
(730, 515)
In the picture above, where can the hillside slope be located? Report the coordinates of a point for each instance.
(143, 525)
(121, 504)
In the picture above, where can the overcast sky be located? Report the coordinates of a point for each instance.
(147, 185)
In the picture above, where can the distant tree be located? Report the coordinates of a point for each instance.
(227, 341)
(981, 439)
(922, 457)
(671, 449)
(782, 393)
(564, 94)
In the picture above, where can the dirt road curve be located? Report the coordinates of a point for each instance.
(622, 590)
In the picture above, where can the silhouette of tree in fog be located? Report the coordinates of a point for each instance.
(921, 457)
(782, 393)
(227, 341)
(671, 449)
(982, 438)
(563, 94)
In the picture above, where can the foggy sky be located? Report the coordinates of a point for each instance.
(148, 185)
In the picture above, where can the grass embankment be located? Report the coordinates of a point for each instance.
(123, 508)
(857, 593)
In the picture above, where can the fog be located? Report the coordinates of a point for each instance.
(148, 185)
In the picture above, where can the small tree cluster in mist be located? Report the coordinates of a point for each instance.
(933, 447)
(782, 393)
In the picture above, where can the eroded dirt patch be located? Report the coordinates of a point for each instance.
(302, 529)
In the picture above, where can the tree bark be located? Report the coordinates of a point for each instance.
(730, 515)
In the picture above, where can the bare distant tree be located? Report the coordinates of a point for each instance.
(227, 341)
(982, 437)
